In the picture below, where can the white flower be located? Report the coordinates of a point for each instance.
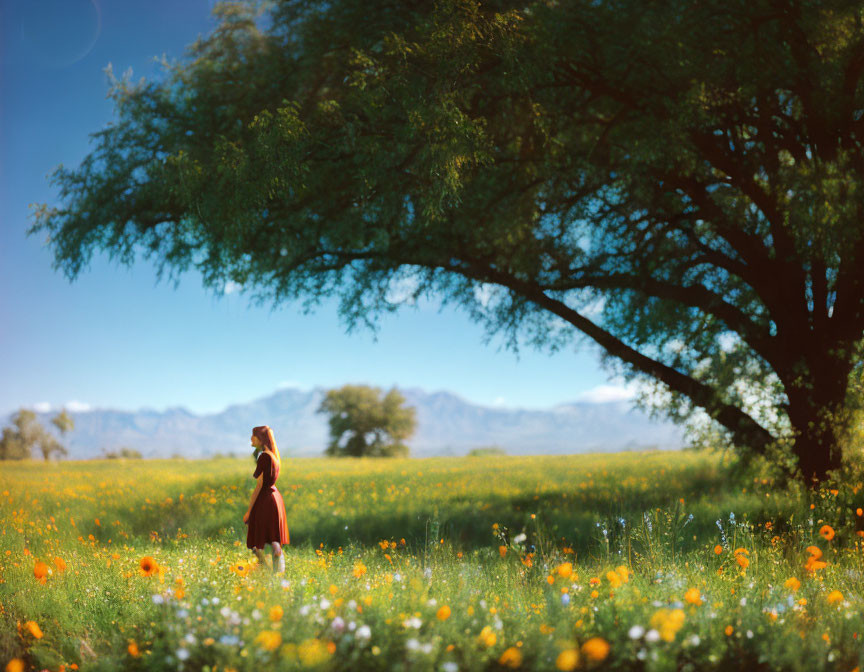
(182, 654)
(190, 638)
(519, 538)
(158, 599)
(412, 622)
(412, 644)
(256, 614)
(325, 603)
(449, 666)
(338, 624)
(694, 640)
(397, 576)
(652, 636)
(352, 604)
(636, 632)
(215, 600)
(427, 572)
(364, 632)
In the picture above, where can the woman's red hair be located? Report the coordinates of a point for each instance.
(265, 436)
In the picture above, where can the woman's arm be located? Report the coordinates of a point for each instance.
(254, 497)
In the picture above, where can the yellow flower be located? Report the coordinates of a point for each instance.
(359, 570)
(443, 613)
(567, 660)
(269, 640)
(276, 613)
(693, 596)
(623, 572)
(487, 637)
(668, 622)
(834, 597)
(792, 584)
(613, 579)
(511, 657)
(595, 649)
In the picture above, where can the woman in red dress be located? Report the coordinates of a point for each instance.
(266, 515)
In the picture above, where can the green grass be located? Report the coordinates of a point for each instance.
(453, 530)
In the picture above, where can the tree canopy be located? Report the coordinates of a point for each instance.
(26, 434)
(364, 424)
(679, 182)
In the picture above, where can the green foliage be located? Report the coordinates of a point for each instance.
(125, 453)
(681, 184)
(485, 451)
(371, 426)
(26, 434)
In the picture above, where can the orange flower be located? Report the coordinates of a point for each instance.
(834, 597)
(742, 560)
(148, 566)
(815, 551)
(502, 550)
(827, 532)
(60, 564)
(133, 650)
(40, 571)
(859, 512)
(729, 630)
(594, 581)
(718, 549)
(565, 569)
(813, 564)
(693, 596)
(15, 665)
(528, 560)
(740, 551)
(359, 570)
(595, 649)
(276, 613)
(792, 584)
(511, 657)
(443, 613)
(34, 629)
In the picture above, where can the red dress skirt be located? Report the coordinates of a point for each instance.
(267, 520)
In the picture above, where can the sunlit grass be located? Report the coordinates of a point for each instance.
(625, 561)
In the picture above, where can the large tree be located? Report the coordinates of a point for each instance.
(678, 181)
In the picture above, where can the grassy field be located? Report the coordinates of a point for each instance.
(636, 561)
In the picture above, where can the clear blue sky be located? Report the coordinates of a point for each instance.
(115, 338)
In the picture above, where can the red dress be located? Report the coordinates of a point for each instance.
(267, 520)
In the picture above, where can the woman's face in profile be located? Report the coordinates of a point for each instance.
(255, 441)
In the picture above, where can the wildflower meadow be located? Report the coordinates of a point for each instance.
(631, 561)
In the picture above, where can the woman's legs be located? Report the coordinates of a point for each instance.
(259, 553)
(278, 557)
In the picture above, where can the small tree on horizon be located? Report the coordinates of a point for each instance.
(370, 425)
(26, 433)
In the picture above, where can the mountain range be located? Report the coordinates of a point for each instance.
(446, 425)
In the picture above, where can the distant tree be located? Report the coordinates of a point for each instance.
(123, 453)
(485, 451)
(371, 426)
(26, 434)
(63, 422)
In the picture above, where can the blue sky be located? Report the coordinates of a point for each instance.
(115, 338)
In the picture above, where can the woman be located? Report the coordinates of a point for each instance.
(266, 515)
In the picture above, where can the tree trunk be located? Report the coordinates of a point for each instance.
(817, 411)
